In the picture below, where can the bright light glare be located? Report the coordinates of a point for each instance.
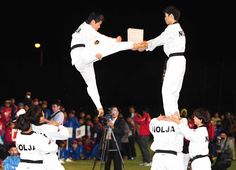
(37, 45)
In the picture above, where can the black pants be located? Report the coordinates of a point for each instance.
(113, 155)
(221, 165)
(132, 146)
(144, 147)
(125, 151)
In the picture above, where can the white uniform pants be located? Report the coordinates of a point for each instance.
(51, 161)
(86, 68)
(201, 164)
(186, 160)
(30, 166)
(172, 84)
(180, 157)
(165, 161)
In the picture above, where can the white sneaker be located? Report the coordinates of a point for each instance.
(141, 164)
(62, 161)
(68, 160)
(147, 164)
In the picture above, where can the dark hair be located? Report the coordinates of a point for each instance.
(174, 11)
(12, 145)
(97, 17)
(146, 109)
(115, 106)
(72, 111)
(224, 131)
(202, 113)
(57, 102)
(34, 114)
(23, 123)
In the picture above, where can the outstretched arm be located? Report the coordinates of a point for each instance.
(158, 41)
(141, 46)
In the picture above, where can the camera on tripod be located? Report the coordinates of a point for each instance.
(108, 143)
(105, 119)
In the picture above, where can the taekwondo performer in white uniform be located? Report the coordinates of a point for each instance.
(180, 145)
(31, 146)
(89, 46)
(173, 41)
(54, 131)
(199, 140)
(165, 144)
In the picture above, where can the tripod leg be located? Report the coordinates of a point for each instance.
(118, 149)
(106, 152)
(94, 163)
(101, 147)
(105, 148)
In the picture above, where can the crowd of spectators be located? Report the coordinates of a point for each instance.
(87, 130)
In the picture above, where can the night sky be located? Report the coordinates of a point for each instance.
(127, 77)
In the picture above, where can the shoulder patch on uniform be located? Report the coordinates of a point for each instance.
(206, 139)
(96, 42)
(181, 33)
(43, 134)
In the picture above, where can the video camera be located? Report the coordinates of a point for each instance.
(105, 119)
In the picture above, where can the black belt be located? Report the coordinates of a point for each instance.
(192, 159)
(76, 46)
(176, 54)
(197, 156)
(166, 151)
(31, 161)
(164, 65)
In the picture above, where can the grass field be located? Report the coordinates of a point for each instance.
(129, 164)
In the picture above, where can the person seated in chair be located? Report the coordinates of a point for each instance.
(224, 152)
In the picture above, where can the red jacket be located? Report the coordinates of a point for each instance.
(8, 136)
(6, 114)
(211, 131)
(144, 122)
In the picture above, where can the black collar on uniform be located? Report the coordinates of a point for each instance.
(39, 124)
(30, 133)
(202, 126)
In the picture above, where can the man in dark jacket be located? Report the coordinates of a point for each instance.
(115, 125)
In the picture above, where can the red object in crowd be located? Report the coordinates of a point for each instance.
(6, 114)
(191, 125)
(88, 146)
(144, 122)
(211, 131)
(8, 136)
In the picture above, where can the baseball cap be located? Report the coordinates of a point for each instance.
(20, 112)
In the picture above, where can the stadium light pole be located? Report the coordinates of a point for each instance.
(38, 46)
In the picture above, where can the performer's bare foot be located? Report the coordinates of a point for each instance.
(100, 112)
(99, 56)
(177, 114)
(118, 38)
